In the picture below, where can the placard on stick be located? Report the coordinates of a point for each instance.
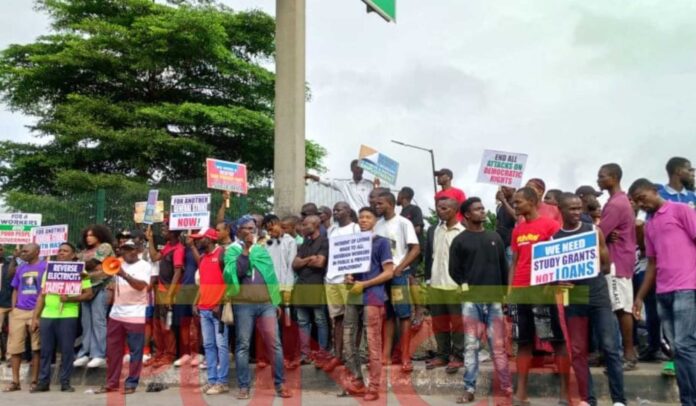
(502, 168)
(229, 176)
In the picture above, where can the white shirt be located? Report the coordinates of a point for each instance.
(336, 231)
(400, 233)
(442, 241)
(356, 194)
(283, 252)
(130, 304)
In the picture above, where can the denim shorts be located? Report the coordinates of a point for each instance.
(399, 303)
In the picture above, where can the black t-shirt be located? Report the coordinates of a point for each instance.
(309, 286)
(6, 286)
(414, 214)
(597, 286)
(504, 224)
(478, 259)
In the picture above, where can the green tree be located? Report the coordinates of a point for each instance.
(132, 92)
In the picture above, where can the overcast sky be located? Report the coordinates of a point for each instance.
(574, 84)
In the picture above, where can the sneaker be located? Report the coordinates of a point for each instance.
(81, 362)
(371, 396)
(217, 389)
(147, 357)
(196, 360)
(630, 364)
(126, 358)
(96, 363)
(484, 356)
(467, 397)
(668, 369)
(332, 364)
(182, 361)
(67, 388)
(40, 387)
(203, 365)
(355, 387)
(435, 363)
(243, 394)
(453, 366)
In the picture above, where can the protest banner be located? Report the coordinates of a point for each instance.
(378, 164)
(64, 278)
(566, 259)
(502, 168)
(229, 176)
(15, 228)
(349, 254)
(189, 212)
(49, 238)
(141, 208)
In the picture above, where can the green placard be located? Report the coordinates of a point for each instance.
(385, 8)
(8, 227)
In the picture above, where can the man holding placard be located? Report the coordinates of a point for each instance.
(367, 295)
(589, 302)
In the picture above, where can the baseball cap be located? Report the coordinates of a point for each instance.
(587, 190)
(123, 234)
(444, 171)
(207, 233)
(129, 244)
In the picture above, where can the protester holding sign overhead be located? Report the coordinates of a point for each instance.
(355, 191)
(56, 319)
(589, 304)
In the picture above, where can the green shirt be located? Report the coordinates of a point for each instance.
(52, 304)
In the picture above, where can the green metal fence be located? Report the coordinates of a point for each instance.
(115, 207)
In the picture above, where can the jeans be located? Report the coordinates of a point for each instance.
(676, 310)
(652, 320)
(61, 332)
(373, 317)
(119, 333)
(246, 316)
(488, 317)
(217, 354)
(604, 323)
(304, 314)
(446, 310)
(94, 326)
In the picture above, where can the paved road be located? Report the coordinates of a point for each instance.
(175, 397)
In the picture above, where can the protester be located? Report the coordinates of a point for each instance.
(208, 305)
(253, 286)
(589, 304)
(534, 229)
(56, 320)
(444, 180)
(289, 225)
(478, 265)
(336, 291)
(127, 320)
(144, 254)
(171, 264)
(680, 186)
(618, 224)
(443, 292)
(551, 197)
(354, 191)
(671, 229)
(544, 209)
(187, 323)
(326, 216)
(588, 195)
(282, 248)
(97, 239)
(367, 296)
(309, 296)
(26, 283)
(505, 217)
(409, 210)
(405, 250)
(5, 296)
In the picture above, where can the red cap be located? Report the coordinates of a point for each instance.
(207, 233)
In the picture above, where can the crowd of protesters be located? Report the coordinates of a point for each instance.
(259, 287)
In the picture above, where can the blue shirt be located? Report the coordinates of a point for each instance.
(381, 255)
(684, 196)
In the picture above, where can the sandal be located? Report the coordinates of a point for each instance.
(283, 393)
(104, 389)
(128, 391)
(12, 387)
(517, 402)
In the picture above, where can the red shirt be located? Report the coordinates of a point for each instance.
(524, 236)
(177, 261)
(453, 193)
(212, 287)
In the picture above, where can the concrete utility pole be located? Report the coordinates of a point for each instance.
(289, 160)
